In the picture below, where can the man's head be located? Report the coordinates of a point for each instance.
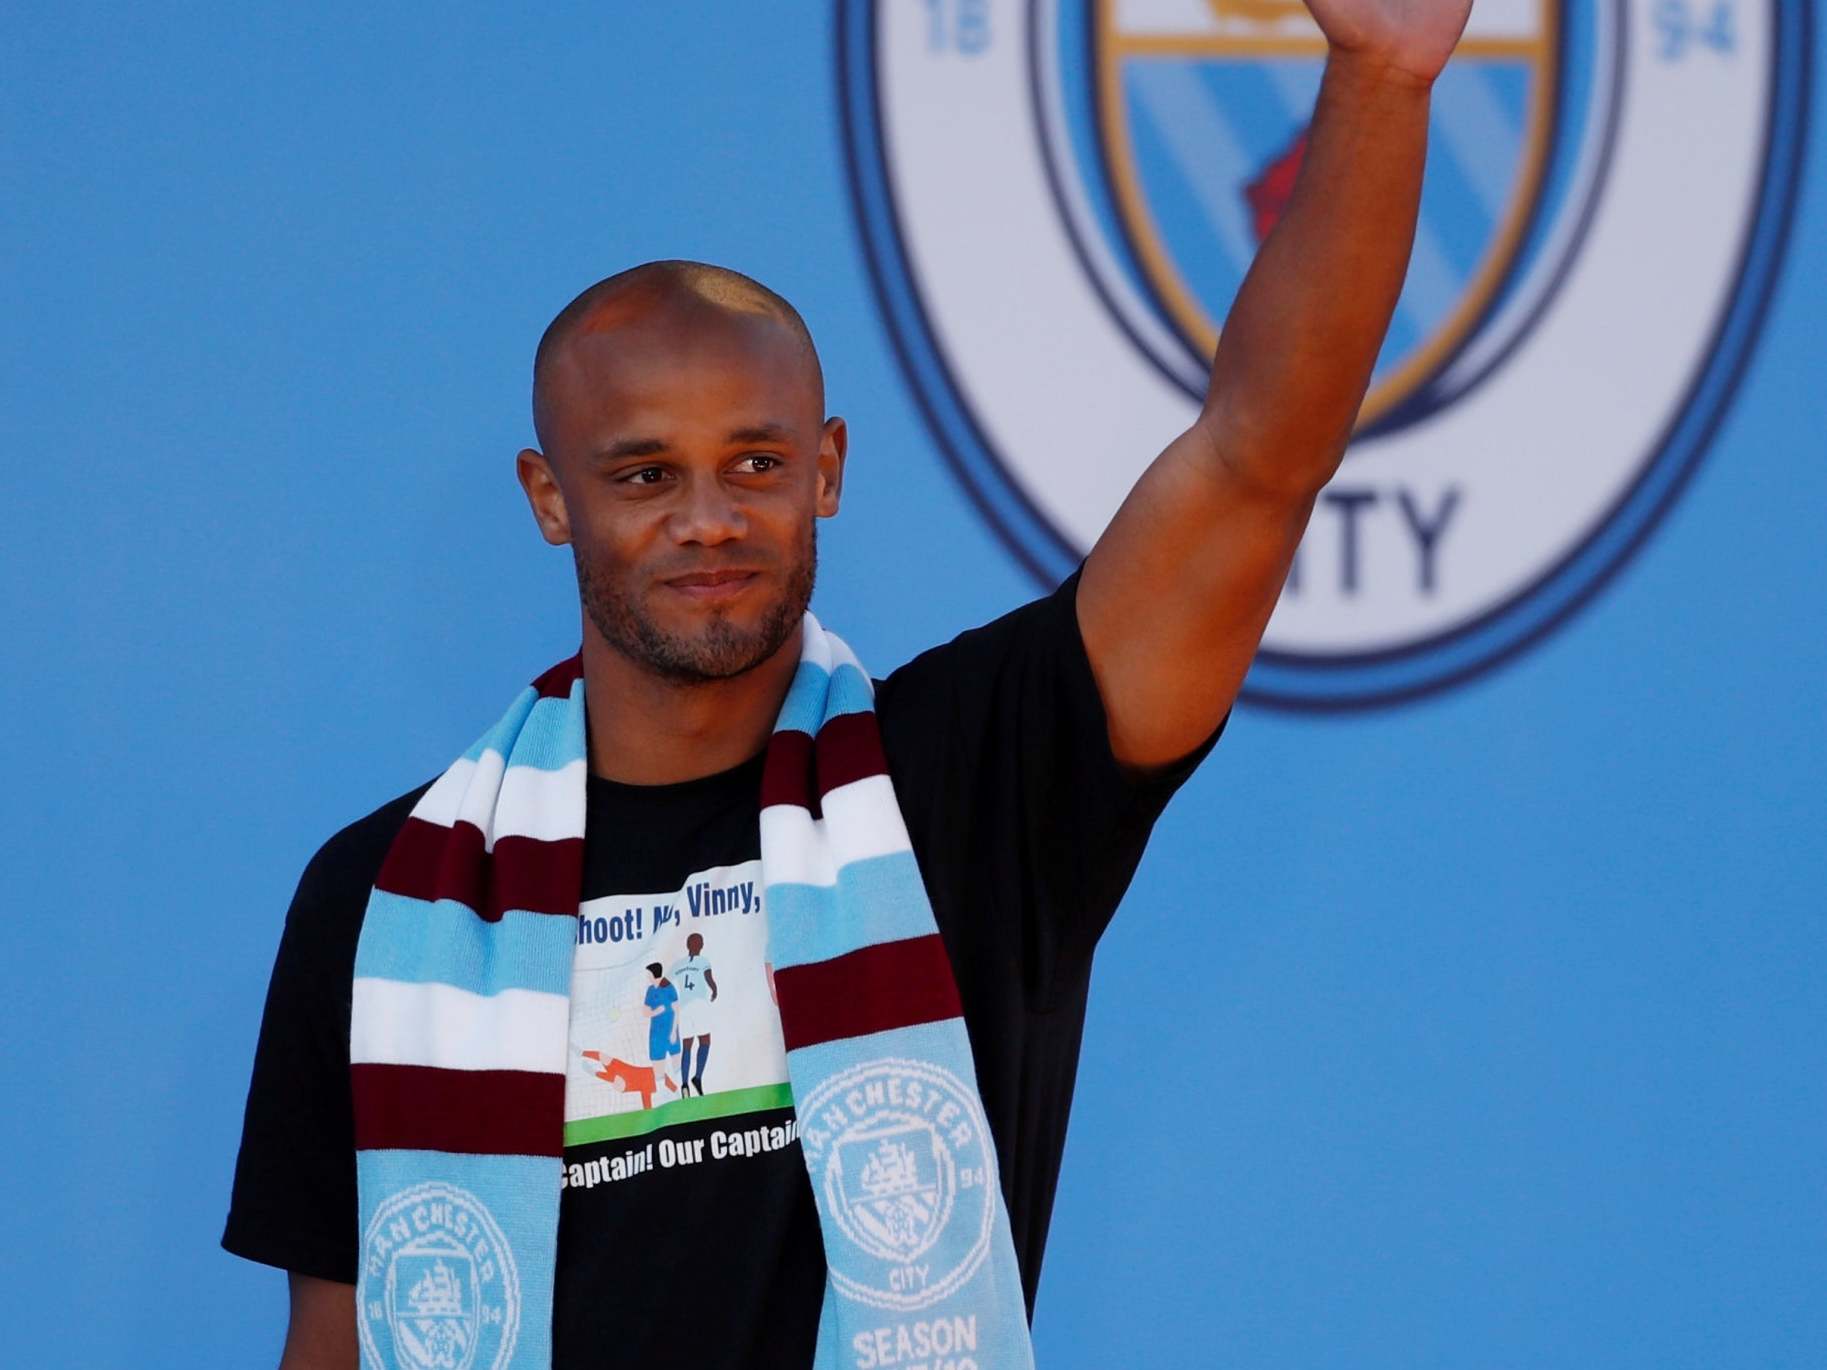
(685, 456)
(654, 969)
(693, 944)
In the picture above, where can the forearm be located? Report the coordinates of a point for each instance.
(1296, 353)
(321, 1333)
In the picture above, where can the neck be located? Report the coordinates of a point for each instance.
(645, 729)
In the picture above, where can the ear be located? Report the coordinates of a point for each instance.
(543, 494)
(831, 448)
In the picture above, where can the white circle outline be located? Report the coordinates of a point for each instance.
(965, 1098)
(510, 1273)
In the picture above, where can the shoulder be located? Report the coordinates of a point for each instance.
(1049, 620)
(351, 857)
(325, 919)
(978, 654)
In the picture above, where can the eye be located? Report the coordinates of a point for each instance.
(767, 461)
(640, 475)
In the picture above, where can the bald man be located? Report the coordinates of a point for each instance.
(684, 455)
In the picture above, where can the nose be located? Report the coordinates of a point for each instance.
(708, 514)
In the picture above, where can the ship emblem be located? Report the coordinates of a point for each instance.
(896, 1197)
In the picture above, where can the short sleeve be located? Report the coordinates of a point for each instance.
(1022, 817)
(294, 1204)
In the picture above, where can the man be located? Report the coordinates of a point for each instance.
(684, 457)
(697, 992)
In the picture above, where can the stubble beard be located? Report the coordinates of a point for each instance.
(720, 650)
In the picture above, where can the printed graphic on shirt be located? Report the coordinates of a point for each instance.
(673, 1017)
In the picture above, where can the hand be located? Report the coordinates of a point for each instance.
(1410, 38)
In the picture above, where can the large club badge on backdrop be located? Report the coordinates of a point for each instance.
(1060, 199)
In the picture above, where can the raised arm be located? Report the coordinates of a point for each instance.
(1177, 592)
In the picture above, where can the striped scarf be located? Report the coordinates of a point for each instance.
(458, 1041)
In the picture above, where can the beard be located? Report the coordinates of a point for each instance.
(720, 649)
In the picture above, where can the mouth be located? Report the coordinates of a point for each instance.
(713, 586)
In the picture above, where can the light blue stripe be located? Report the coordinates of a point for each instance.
(444, 943)
(851, 692)
(1470, 119)
(1198, 138)
(880, 899)
(1508, 85)
(500, 737)
(944, 1044)
(546, 734)
(553, 736)
(1453, 207)
(1398, 342)
(1296, 84)
(1432, 286)
(520, 1195)
(804, 706)
(1191, 240)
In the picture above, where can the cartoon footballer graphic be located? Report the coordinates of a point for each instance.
(662, 1045)
(697, 992)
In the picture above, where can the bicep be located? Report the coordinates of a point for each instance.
(1176, 594)
(320, 1334)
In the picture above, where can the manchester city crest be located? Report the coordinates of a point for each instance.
(904, 1174)
(892, 1188)
(1060, 199)
(438, 1289)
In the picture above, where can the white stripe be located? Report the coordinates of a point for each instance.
(393, 1022)
(815, 643)
(440, 804)
(548, 805)
(794, 847)
(524, 802)
(862, 820)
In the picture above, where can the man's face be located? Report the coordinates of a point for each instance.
(691, 461)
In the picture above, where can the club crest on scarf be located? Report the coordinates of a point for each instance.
(897, 1154)
(438, 1289)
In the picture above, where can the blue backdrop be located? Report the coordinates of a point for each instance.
(1482, 1029)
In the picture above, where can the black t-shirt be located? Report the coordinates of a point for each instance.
(687, 1231)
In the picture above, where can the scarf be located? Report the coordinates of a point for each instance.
(459, 1039)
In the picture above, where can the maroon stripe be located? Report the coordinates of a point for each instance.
(849, 747)
(540, 876)
(786, 775)
(429, 861)
(872, 989)
(484, 1112)
(556, 681)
